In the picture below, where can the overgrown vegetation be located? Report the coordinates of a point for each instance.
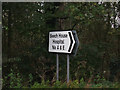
(14, 80)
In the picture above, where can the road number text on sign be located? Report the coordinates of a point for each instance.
(61, 41)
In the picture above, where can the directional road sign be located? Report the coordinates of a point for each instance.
(61, 41)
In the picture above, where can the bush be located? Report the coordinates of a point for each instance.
(59, 84)
(41, 85)
(82, 83)
(12, 80)
(74, 84)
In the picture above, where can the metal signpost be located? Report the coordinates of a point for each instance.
(63, 42)
(57, 63)
(68, 68)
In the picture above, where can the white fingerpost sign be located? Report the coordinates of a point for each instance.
(61, 41)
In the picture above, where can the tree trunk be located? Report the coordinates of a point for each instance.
(9, 33)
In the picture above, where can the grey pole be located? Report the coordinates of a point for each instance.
(67, 68)
(57, 63)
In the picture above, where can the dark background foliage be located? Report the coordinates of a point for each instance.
(25, 40)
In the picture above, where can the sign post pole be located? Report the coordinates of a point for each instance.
(57, 63)
(67, 68)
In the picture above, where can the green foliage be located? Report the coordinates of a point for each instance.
(13, 80)
(74, 84)
(36, 85)
(30, 78)
(105, 84)
(82, 83)
(43, 84)
(57, 84)
(78, 84)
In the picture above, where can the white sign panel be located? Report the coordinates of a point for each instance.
(61, 41)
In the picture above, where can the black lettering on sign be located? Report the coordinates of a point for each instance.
(57, 46)
(53, 35)
(60, 47)
(63, 35)
(58, 41)
(53, 47)
(63, 47)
